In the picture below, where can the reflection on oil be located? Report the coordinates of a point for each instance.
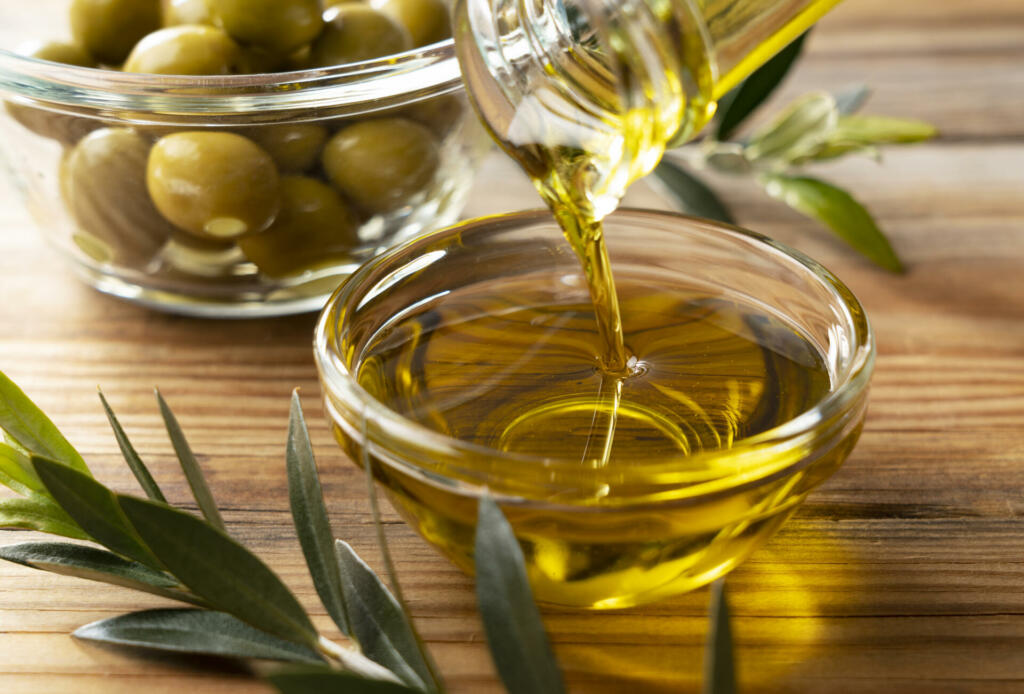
(779, 599)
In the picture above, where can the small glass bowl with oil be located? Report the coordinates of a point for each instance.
(466, 363)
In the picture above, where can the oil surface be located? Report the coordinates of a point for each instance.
(515, 367)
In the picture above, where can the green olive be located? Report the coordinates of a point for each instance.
(109, 28)
(56, 126)
(189, 49)
(187, 12)
(356, 32)
(103, 185)
(426, 20)
(279, 26)
(189, 255)
(295, 147)
(215, 185)
(379, 164)
(314, 226)
(440, 113)
(57, 52)
(257, 61)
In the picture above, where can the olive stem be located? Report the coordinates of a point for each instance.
(355, 662)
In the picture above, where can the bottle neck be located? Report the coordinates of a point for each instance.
(585, 94)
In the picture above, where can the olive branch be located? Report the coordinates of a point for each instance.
(238, 607)
(816, 127)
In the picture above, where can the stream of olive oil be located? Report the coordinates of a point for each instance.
(617, 376)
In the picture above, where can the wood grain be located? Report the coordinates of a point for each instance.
(904, 573)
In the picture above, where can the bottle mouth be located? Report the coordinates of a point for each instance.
(452, 463)
(351, 89)
(617, 80)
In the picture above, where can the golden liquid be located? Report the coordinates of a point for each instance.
(640, 374)
(512, 365)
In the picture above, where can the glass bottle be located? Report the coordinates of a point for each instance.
(587, 94)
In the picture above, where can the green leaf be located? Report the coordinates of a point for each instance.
(833, 149)
(138, 468)
(190, 465)
(219, 570)
(799, 130)
(726, 157)
(515, 633)
(310, 516)
(38, 512)
(17, 473)
(850, 100)
(94, 508)
(739, 103)
(882, 130)
(325, 680)
(692, 195)
(32, 429)
(434, 679)
(378, 623)
(94, 565)
(838, 210)
(203, 632)
(866, 133)
(719, 670)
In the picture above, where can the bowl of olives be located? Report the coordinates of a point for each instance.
(233, 158)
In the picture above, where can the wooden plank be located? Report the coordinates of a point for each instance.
(904, 573)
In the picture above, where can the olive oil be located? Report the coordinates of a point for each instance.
(624, 386)
(513, 366)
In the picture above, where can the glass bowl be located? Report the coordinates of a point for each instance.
(103, 221)
(673, 520)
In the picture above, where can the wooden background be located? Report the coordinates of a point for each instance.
(904, 573)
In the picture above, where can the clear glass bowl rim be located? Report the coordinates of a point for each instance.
(408, 77)
(852, 381)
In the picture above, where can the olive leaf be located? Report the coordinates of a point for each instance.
(857, 133)
(838, 210)
(95, 565)
(203, 632)
(801, 128)
(325, 680)
(515, 633)
(189, 464)
(219, 570)
(882, 130)
(310, 517)
(40, 513)
(33, 430)
(131, 457)
(692, 195)
(17, 473)
(850, 100)
(379, 624)
(94, 508)
(726, 157)
(719, 669)
(738, 104)
(433, 679)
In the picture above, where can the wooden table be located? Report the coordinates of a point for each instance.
(904, 573)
